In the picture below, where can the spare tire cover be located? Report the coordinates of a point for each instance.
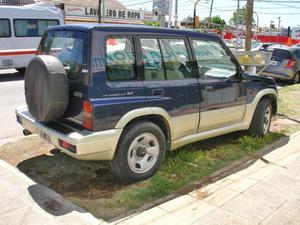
(46, 88)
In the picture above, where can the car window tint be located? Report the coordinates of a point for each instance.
(152, 59)
(176, 59)
(280, 54)
(4, 28)
(213, 61)
(297, 54)
(120, 59)
(32, 27)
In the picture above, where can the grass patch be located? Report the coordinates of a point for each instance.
(288, 119)
(289, 100)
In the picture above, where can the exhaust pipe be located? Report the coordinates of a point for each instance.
(26, 132)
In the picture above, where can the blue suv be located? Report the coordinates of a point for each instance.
(128, 94)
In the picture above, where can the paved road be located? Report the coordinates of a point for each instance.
(11, 96)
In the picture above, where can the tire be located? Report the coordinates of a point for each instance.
(261, 120)
(296, 79)
(46, 88)
(127, 164)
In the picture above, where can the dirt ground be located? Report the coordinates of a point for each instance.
(36, 159)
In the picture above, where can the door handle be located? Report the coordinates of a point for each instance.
(158, 92)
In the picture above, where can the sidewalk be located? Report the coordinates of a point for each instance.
(267, 192)
(23, 202)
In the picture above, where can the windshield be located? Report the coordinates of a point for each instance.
(70, 47)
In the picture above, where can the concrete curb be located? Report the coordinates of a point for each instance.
(83, 214)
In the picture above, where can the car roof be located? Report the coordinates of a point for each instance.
(132, 28)
(283, 47)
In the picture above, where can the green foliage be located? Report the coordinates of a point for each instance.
(217, 20)
(251, 144)
(242, 17)
(148, 23)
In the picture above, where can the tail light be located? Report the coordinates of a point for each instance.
(87, 115)
(290, 63)
(67, 145)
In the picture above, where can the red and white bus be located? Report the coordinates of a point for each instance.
(21, 28)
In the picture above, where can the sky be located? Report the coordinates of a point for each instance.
(287, 10)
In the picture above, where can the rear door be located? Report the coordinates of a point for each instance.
(169, 83)
(223, 94)
(6, 43)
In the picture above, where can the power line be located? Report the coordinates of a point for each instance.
(139, 3)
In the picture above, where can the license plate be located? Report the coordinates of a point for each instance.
(273, 62)
(45, 136)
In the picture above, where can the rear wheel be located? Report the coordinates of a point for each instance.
(140, 152)
(261, 120)
(296, 79)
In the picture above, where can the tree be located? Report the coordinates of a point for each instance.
(217, 20)
(242, 17)
(188, 19)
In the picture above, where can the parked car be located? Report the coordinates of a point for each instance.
(21, 28)
(128, 94)
(285, 64)
(296, 45)
(260, 46)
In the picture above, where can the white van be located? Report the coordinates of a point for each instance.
(21, 28)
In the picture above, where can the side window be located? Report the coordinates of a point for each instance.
(297, 54)
(120, 59)
(176, 59)
(152, 60)
(213, 61)
(4, 28)
(32, 27)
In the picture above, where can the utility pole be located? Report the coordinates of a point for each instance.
(99, 11)
(279, 21)
(195, 6)
(103, 9)
(176, 14)
(249, 19)
(237, 22)
(162, 13)
(170, 13)
(210, 11)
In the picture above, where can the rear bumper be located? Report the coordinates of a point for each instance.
(89, 145)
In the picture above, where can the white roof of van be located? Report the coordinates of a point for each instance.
(31, 10)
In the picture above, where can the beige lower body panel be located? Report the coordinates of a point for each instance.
(208, 134)
(214, 119)
(184, 125)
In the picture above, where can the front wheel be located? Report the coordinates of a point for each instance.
(140, 152)
(262, 117)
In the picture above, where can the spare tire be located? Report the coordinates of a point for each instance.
(46, 88)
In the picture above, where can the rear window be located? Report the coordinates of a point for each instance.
(70, 47)
(280, 54)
